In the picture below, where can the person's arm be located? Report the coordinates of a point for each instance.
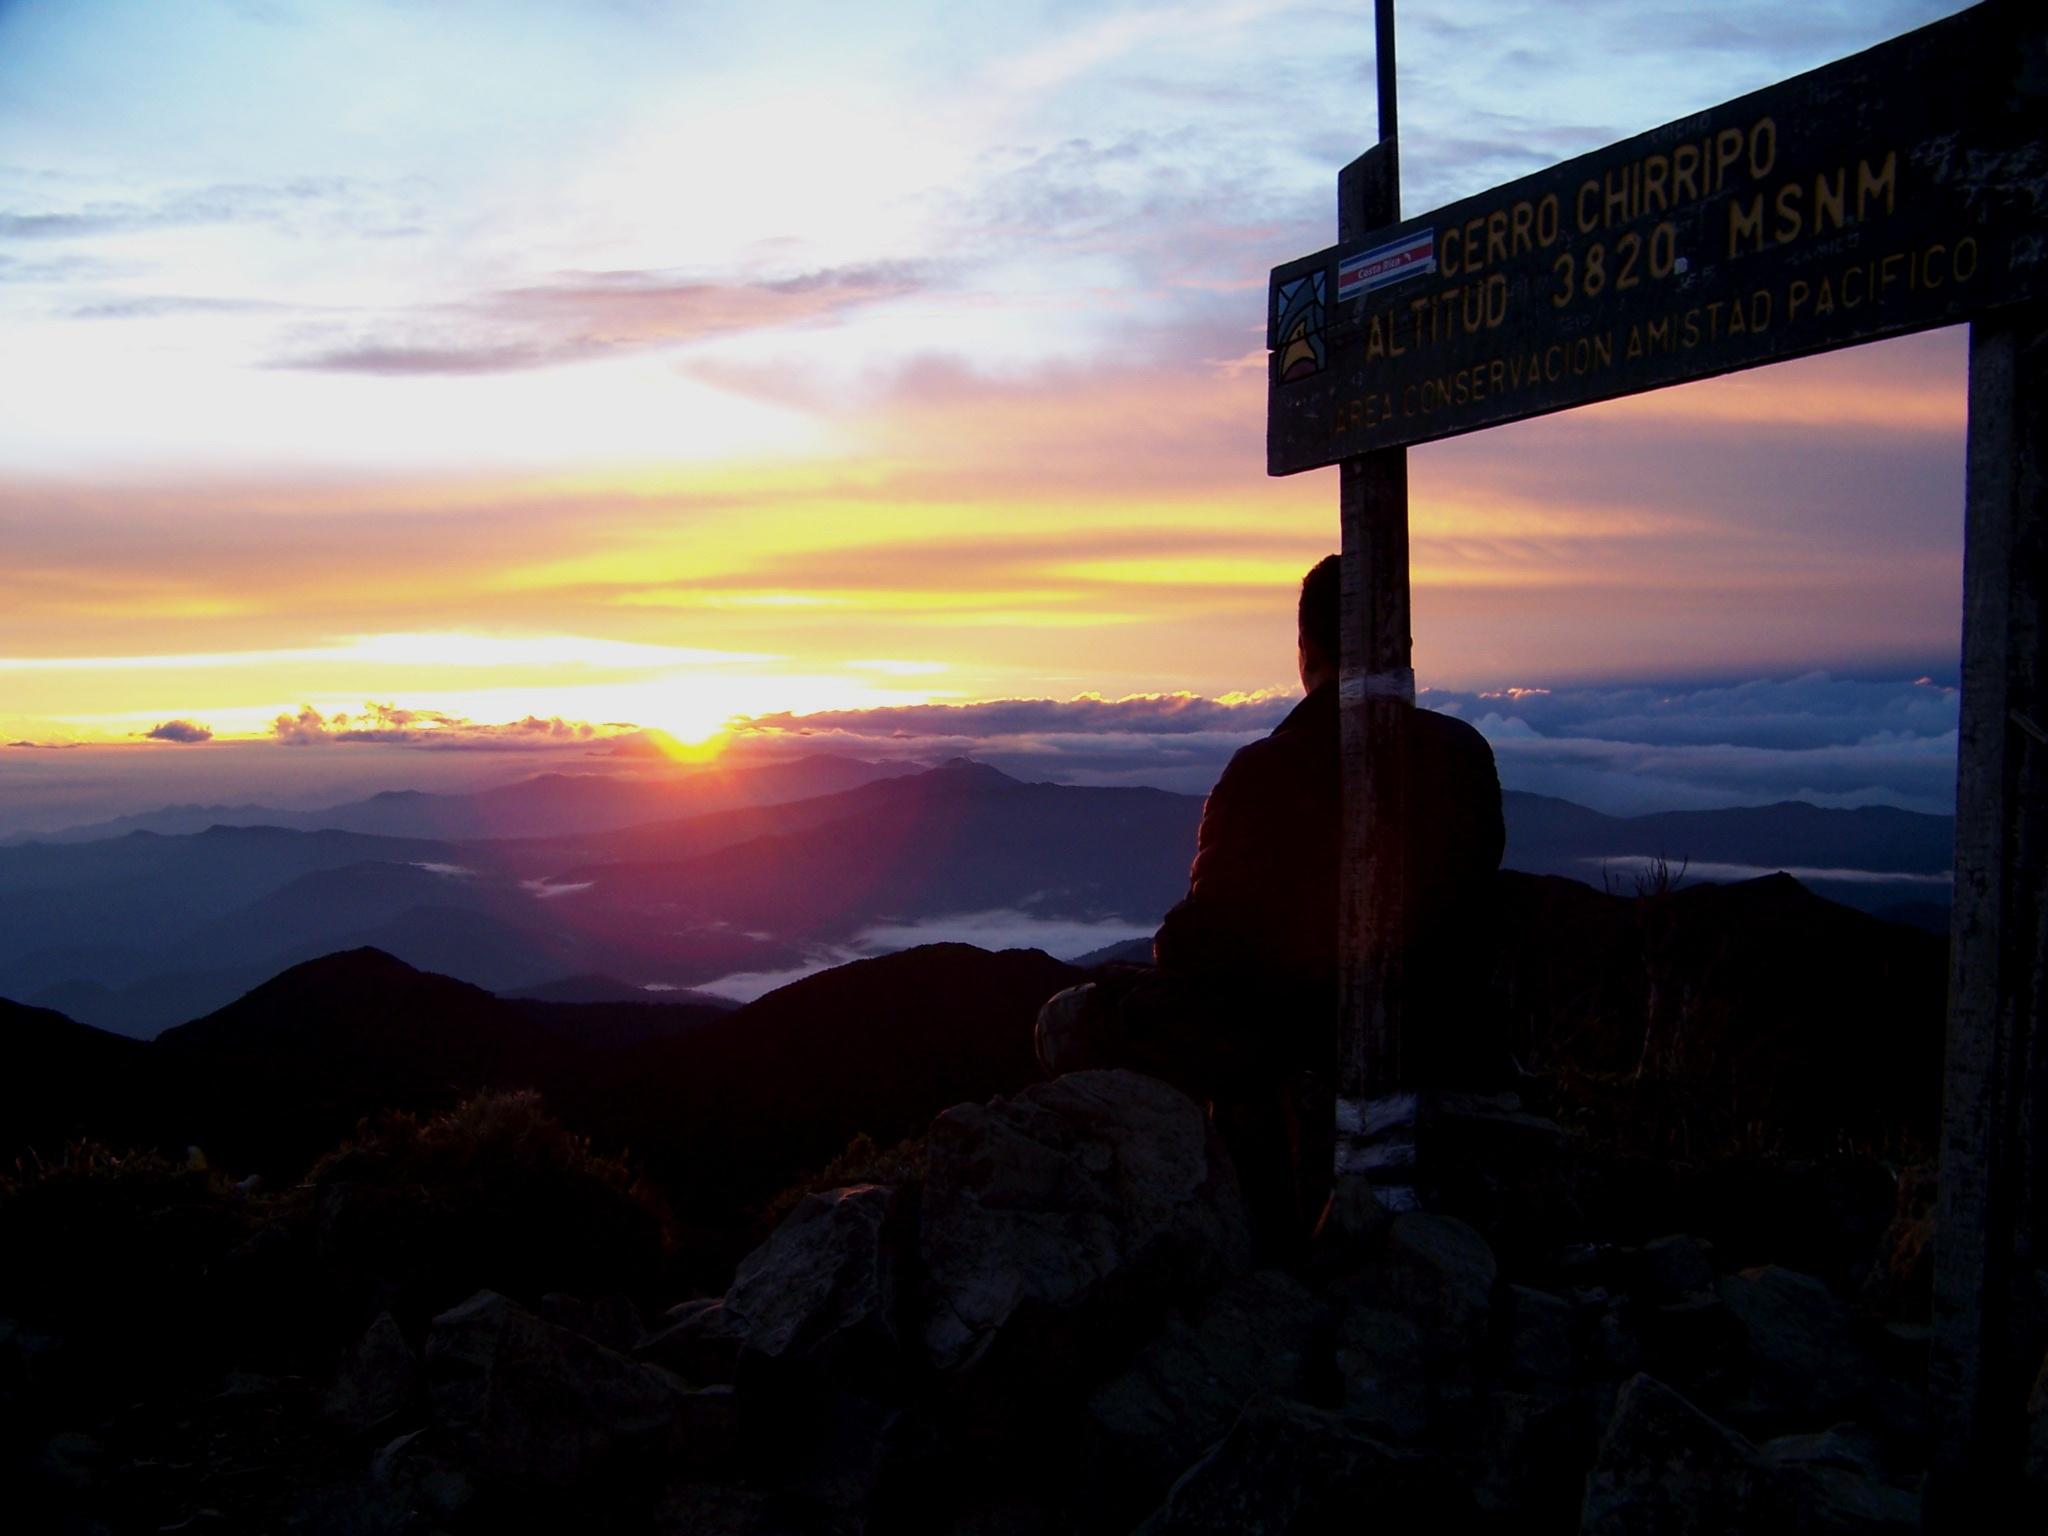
(1206, 930)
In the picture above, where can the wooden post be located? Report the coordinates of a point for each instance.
(1991, 1232)
(1376, 1118)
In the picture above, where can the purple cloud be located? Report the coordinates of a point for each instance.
(185, 732)
(588, 315)
(391, 725)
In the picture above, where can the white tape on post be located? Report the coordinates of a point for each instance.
(1395, 683)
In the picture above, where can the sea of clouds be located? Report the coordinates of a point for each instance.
(1830, 740)
(1625, 749)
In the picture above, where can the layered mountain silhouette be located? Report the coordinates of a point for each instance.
(1876, 858)
(723, 1106)
(1803, 1016)
(545, 805)
(143, 930)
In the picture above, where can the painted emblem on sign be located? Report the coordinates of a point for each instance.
(1410, 256)
(1300, 326)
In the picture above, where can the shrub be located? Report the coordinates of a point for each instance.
(114, 1250)
(495, 1192)
(902, 1165)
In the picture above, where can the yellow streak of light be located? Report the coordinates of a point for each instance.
(861, 600)
(1190, 571)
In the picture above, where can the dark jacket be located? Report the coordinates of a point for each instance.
(1262, 896)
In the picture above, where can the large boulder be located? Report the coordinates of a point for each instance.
(1665, 1469)
(1189, 1383)
(532, 1406)
(1542, 1339)
(1527, 1460)
(1379, 1359)
(1286, 1469)
(1841, 1475)
(612, 1321)
(824, 1285)
(374, 1382)
(415, 1480)
(715, 1509)
(698, 1340)
(1440, 1274)
(1051, 1218)
(1806, 1369)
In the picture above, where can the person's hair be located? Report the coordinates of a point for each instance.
(1321, 597)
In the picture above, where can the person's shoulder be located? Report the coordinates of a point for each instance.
(1253, 762)
(1450, 734)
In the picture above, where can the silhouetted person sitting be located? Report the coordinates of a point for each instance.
(1240, 1008)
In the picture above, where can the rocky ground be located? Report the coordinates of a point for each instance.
(1048, 1320)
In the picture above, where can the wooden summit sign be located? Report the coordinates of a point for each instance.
(1903, 188)
(1893, 191)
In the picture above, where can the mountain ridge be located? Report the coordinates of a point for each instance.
(122, 930)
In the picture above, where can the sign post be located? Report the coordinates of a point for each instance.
(1991, 1222)
(1903, 188)
(1376, 1116)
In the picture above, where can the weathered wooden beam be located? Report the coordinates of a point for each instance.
(1991, 1233)
(1376, 1121)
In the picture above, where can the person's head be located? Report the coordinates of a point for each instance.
(1318, 646)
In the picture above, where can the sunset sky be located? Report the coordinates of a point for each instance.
(644, 364)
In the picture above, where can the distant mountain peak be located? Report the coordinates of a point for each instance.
(366, 960)
(965, 770)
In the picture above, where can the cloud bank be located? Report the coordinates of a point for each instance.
(1830, 740)
(390, 725)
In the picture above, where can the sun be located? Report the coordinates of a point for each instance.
(704, 749)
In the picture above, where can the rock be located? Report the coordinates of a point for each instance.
(1439, 1273)
(714, 1509)
(1542, 1343)
(1286, 1469)
(1903, 1348)
(1615, 1349)
(535, 1406)
(1695, 1343)
(1530, 1456)
(612, 1321)
(830, 1448)
(374, 1382)
(1847, 1446)
(815, 1309)
(1012, 1517)
(565, 1311)
(1664, 1466)
(698, 1340)
(30, 1360)
(824, 1284)
(1379, 1357)
(1839, 1475)
(1187, 1386)
(1675, 1267)
(1068, 1209)
(1665, 1469)
(418, 1473)
(1585, 1266)
(1805, 1367)
(71, 1461)
(615, 1323)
